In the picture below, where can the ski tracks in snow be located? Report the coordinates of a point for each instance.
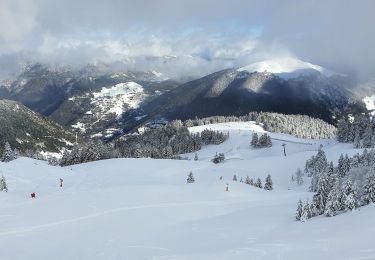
(110, 211)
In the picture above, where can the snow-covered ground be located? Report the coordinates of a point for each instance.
(108, 104)
(143, 209)
(370, 103)
(112, 99)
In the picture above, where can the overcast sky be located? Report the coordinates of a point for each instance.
(206, 34)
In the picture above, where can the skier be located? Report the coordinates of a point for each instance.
(61, 182)
(33, 195)
(227, 188)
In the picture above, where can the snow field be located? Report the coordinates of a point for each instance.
(143, 208)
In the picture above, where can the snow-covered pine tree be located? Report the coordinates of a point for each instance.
(342, 130)
(254, 140)
(264, 141)
(351, 133)
(8, 153)
(235, 177)
(299, 177)
(314, 167)
(299, 210)
(357, 140)
(241, 180)
(167, 152)
(195, 157)
(259, 183)
(247, 180)
(318, 204)
(343, 166)
(333, 203)
(190, 178)
(252, 183)
(268, 141)
(218, 158)
(367, 137)
(346, 164)
(349, 195)
(365, 158)
(3, 184)
(369, 188)
(306, 213)
(268, 183)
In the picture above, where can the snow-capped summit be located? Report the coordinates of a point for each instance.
(286, 67)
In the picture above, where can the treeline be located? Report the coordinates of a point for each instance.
(344, 187)
(167, 142)
(88, 152)
(358, 130)
(298, 125)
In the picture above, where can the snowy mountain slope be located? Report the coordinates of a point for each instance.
(143, 209)
(64, 94)
(26, 130)
(233, 92)
(287, 67)
(105, 106)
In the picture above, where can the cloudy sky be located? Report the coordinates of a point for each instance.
(205, 35)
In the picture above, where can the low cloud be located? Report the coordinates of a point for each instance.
(204, 35)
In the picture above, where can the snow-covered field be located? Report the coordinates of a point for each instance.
(143, 209)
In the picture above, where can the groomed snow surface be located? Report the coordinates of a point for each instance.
(143, 209)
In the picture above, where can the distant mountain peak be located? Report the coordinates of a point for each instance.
(287, 67)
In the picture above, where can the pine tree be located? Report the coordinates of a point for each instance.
(241, 180)
(318, 203)
(367, 137)
(343, 166)
(8, 153)
(342, 130)
(190, 178)
(330, 169)
(218, 158)
(369, 188)
(349, 195)
(268, 184)
(314, 211)
(299, 210)
(247, 180)
(332, 204)
(259, 183)
(264, 141)
(252, 183)
(234, 177)
(357, 140)
(268, 141)
(3, 184)
(254, 140)
(306, 212)
(346, 164)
